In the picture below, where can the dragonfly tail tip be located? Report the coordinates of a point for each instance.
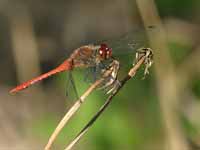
(13, 91)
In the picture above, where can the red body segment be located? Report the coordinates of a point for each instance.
(65, 66)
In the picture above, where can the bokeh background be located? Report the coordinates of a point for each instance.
(158, 113)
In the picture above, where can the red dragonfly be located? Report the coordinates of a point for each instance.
(83, 57)
(91, 55)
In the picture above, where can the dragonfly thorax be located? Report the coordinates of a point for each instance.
(104, 52)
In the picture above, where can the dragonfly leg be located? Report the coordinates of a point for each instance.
(71, 91)
(111, 82)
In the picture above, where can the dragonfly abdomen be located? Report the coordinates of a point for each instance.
(65, 66)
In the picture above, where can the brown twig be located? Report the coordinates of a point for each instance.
(131, 74)
(76, 106)
(168, 88)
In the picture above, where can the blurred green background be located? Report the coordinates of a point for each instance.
(36, 36)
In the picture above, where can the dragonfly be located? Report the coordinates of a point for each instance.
(83, 57)
(96, 56)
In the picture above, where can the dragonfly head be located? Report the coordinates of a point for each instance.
(104, 51)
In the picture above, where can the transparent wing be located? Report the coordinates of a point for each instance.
(127, 42)
(89, 76)
(94, 73)
(124, 49)
(71, 91)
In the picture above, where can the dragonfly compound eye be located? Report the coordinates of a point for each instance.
(104, 51)
(109, 52)
(101, 52)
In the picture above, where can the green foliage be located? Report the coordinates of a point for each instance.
(196, 87)
(179, 51)
(177, 8)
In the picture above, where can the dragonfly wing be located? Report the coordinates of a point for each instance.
(93, 73)
(129, 42)
(71, 91)
(97, 71)
(89, 75)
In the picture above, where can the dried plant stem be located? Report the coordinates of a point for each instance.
(70, 113)
(131, 74)
(167, 81)
(74, 108)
